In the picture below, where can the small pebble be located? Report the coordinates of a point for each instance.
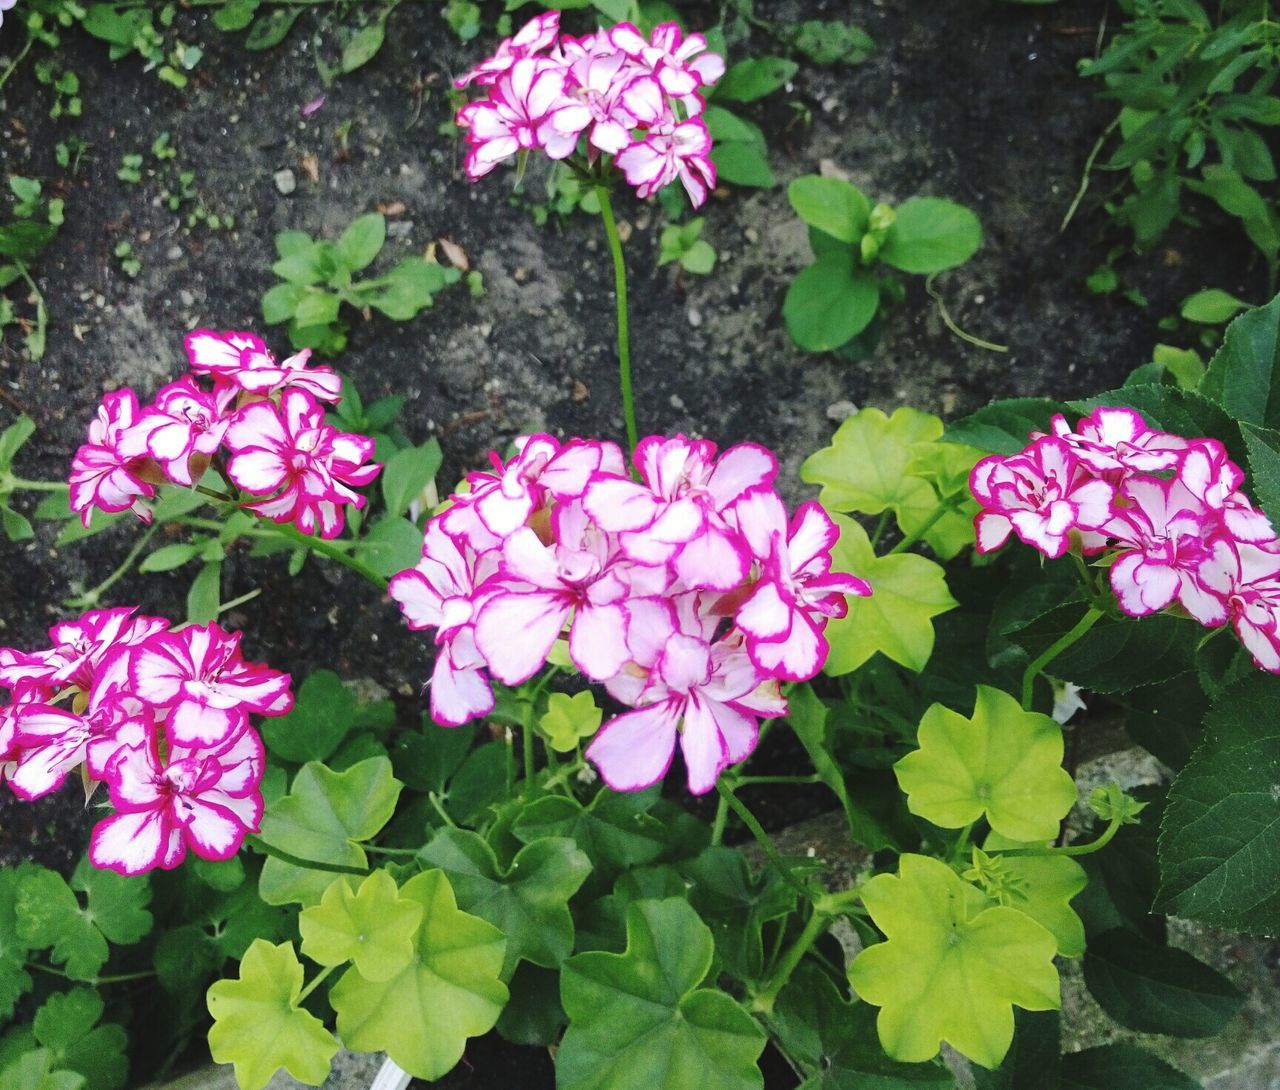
(187, 299)
(174, 253)
(677, 403)
(399, 228)
(286, 182)
(841, 410)
(695, 317)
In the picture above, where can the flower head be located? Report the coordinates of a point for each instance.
(106, 474)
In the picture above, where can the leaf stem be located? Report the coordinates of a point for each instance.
(1034, 668)
(763, 1001)
(944, 506)
(882, 524)
(623, 330)
(21, 484)
(90, 598)
(297, 860)
(119, 978)
(763, 839)
(950, 322)
(316, 981)
(1071, 849)
(333, 552)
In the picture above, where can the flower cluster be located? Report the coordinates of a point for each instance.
(1167, 510)
(629, 97)
(267, 414)
(160, 716)
(687, 591)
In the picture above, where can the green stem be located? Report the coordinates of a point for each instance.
(438, 806)
(1090, 618)
(377, 849)
(316, 981)
(950, 322)
(1088, 171)
(950, 503)
(764, 999)
(298, 861)
(249, 596)
(746, 781)
(717, 827)
(90, 598)
(23, 485)
(962, 842)
(119, 978)
(624, 331)
(762, 838)
(1071, 849)
(333, 552)
(4, 78)
(526, 746)
(882, 523)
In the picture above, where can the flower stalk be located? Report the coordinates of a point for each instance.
(623, 327)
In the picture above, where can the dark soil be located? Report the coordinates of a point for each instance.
(975, 100)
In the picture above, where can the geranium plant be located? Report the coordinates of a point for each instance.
(617, 631)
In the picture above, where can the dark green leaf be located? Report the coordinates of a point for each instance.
(408, 473)
(270, 28)
(749, 80)
(741, 163)
(323, 714)
(829, 304)
(1121, 1067)
(929, 235)
(390, 546)
(1244, 376)
(1004, 427)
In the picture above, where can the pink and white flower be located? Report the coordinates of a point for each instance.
(1254, 602)
(681, 64)
(104, 476)
(53, 741)
(536, 36)
(1041, 495)
(514, 117)
(89, 654)
(242, 361)
(1115, 441)
(199, 676)
(797, 592)
(1213, 479)
(184, 422)
(205, 800)
(675, 151)
(308, 468)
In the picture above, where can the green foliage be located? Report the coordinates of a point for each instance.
(952, 968)
(452, 985)
(1042, 886)
(684, 244)
(639, 1020)
(325, 817)
(324, 714)
(67, 1025)
(23, 238)
(1004, 764)
(835, 299)
(259, 1025)
(318, 277)
(908, 591)
(569, 720)
(1121, 1067)
(373, 927)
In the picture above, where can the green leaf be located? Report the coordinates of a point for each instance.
(1211, 307)
(235, 14)
(362, 241)
(317, 308)
(639, 1021)
(832, 205)
(324, 817)
(831, 42)
(1004, 427)
(34, 1071)
(12, 439)
(15, 981)
(407, 288)
(391, 545)
(829, 304)
(739, 162)
(67, 1025)
(615, 830)
(362, 48)
(907, 592)
(1158, 989)
(1263, 445)
(570, 719)
(1121, 1067)
(1244, 375)
(1035, 1060)
(49, 915)
(451, 986)
(929, 235)
(281, 302)
(1042, 887)
(407, 473)
(271, 27)
(204, 599)
(25, 239)
(699, 258)
(1004, 764)
(373, 927)
(294, 243)
(169, 557)
(16, 527)
(865, 467)
(117, 904)
(952, 968)
(836, 1039)
(1238, 198)
(259, 1026)
(323, 714)
(1219, 853)
(749, 80)
(528, 902)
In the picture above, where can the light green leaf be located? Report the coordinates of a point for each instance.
(322, 715)
(317, 308)
(408, 287)
(952, 968)
(12, 439)
(832, 205)
(929, 235)
(364, 45)
(450, 991)
(35, 1071)
(259, 1026)
(639, 1021)
(1219, 852)
(408, 472)
(907, 592)
(362, 241)
(1004, 764)
(168, 557)
(865, 467)
(280, 302)
(1158, 989)
(570, 719)
(1043, 886)
(829, 304)
(528, 902)
(324, 817)
(67, 1025)
(373, 927)
(390, 546)
(752, 79)
(1212, 307)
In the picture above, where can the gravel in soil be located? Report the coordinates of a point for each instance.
(974, 100)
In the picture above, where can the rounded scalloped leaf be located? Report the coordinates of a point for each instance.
(258, 1025)
(451, 990)
(372, 927)
(639, 1021)
(951, 969)
(1004, 764)
(1045, 886)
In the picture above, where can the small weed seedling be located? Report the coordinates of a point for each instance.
(685, 245)
(22, 240)
(318, 276)
(837, 298)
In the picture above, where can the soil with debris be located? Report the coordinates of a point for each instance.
(974, 100)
